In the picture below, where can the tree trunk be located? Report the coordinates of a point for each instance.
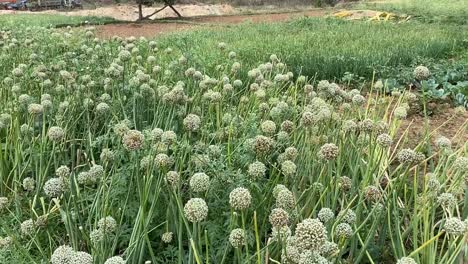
(140, 11)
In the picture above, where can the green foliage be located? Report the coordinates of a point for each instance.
(67, 97)
(46, 20)
(326, 48)
(454, 11)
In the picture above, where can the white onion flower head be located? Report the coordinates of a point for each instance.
(328, 151)
(81, 257)
(28, 227)
(279, 218)
(240, 198)
(443, 142)
(326, 215)
(133, 140)
(285, 200)
(3, 203)
(169, 137)
(62, 171)
(278, 188)
(54, 187)
(173, 178)
(29, 184)
(288, 168)
(421, 73)
(347, 216)
(96, 236)
(406, 260)
(115, 260)
(35, 109)
(310, 234)
(237, 238)
(61, 255)
(199, 182)
(268, 127)
(384, 140)
(167, 237)
(343, 230)
(196, 210)
(107, 224)
(192, 122)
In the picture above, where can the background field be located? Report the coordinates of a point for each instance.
(378, 140)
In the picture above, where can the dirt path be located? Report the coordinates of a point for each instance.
(154, 28)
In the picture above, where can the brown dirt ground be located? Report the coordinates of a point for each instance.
(153, 28)
(446, 121)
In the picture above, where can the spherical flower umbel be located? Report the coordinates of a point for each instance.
(285, 200)
(461, 164)
(345, 183)
(107, 155)
(61, 255)
(54, 187)
(358, 99)
(237, 238)
(81, 257)
(310, 234)
(102, 108)
(133, 140)
(167, 237)
(96, 236)
(384, 140)
(347, 216)
(421, 73)
(263, 145)
(257, 169)
(278, 188)
(280, 232)
(268, 127)
(454, 226)
(288, 168)
(443, 142)
(406, 156)
(240, 198)
(28, 227)
(372, 193)
(199, 182)
(343, 230)
(279, 218)
(196, 210)
(29, 184)
(192, 122)
(115, 260)
(173, 178)
(400, 112)
(447, 200)
(406, 260)
(168, 137)
(3, 203)
(328, 248)
(35, 109)
(55, 133)
(62, 171)
(326, 215)
(107, 224)
(328, 151)
(162, 160)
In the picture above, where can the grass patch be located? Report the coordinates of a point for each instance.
(455, 11)
(49, 20)
(326, 47)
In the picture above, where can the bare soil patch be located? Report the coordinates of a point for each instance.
(153, 28)
(446, 121)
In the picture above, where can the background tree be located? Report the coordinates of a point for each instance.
(167, 3)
